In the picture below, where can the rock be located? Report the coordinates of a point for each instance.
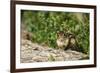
(33, 52)
(39, 59)
(59, 58)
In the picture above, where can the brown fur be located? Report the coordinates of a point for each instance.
(66, 41)
(26, 35)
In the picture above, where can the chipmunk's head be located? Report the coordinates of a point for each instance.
(60, 34)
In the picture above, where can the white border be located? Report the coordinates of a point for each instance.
(53, 64)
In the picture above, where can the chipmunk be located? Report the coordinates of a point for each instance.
(62, 41)
(66, 41)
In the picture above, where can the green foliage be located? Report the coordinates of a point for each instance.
(51, 58)
(44, 26)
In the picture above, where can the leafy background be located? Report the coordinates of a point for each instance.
(44, 26)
